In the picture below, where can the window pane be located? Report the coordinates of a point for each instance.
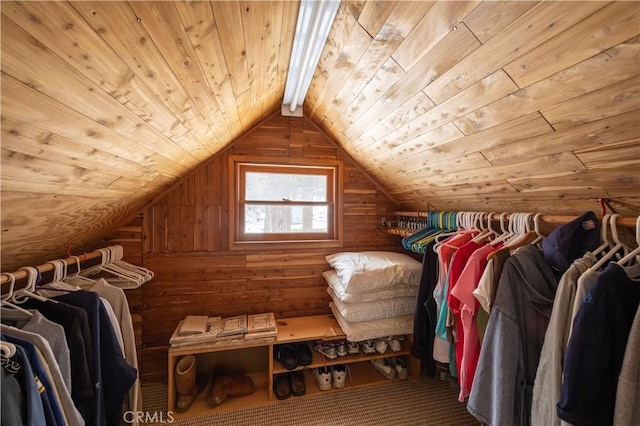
(261, 219)
(261, 186)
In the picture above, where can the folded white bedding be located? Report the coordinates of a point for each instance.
(367, 271)
(376, 294)
(379, 309)
(357, 331)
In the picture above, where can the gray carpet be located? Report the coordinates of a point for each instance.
(423, 401)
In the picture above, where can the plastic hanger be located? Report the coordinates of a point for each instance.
(29, 291)
(536, 228)
(615, 249)
(505, 232)
(77, 279)
(6, 298)
(631, 256)
(604, 236)
(126, 274)
(485, 232)
(7, 349)
(59, 274)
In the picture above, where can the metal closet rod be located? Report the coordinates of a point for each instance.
(46, 267)
(628, 222)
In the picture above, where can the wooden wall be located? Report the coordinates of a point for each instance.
(186, 243)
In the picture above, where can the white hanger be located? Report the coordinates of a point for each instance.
(77, 279)
(614, 250)
(536, 228)
(127, 275)
(8, 349)
(604, 236)
(485, 232)
(635, 252)
(6, 298)
(508, 232)
(29, 291)
(59, 274)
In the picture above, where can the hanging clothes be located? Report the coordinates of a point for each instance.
(53, 414)
(118, 301)
(15, 410)
(447, 252)
(75, 322)
(548, 381)
(468, 343)
(596, 349)
(627, 409)
(501, 391)
(53, 333)
(58, 386)
(114, 377)
(425, 317)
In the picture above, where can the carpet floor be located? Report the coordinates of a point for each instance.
(423, 401)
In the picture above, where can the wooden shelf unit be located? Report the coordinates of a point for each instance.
(256, 360)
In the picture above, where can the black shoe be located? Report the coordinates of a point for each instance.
(296, 383)
(304, 353)
(281, 387)
(286, 355)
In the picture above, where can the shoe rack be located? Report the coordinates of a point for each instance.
(256, 359)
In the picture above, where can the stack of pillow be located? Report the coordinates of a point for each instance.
(373, 293)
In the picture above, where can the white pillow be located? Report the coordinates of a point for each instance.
(378, 309)
(336, 285)
(369, 270)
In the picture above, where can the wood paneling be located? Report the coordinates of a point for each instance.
(196, 272)
(496, 105)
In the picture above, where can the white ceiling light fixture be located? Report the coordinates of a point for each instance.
(315, 18)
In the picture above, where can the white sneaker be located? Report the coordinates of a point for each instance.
(339, 375)
(380, 345)
(341, 348)
(323, 378)
(384, 367)
(353, 348)
(394, 343)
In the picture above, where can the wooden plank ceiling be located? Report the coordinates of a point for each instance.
(477, 105)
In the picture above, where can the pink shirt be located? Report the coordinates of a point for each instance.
(463, 292)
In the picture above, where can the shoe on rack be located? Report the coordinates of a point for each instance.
(296, 383)
(367, 347)
(394, 343)
(339, 375)
(286, 355)
(281, 386)
(380, 345)
(402, 371)
(353, 348)
(341, 348)
(384, 367)
(303, 353)
(327, 349)
(323, 378)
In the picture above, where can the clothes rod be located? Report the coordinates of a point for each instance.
(628, 222)
(46, 267)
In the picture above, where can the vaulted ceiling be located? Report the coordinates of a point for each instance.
(476, 105)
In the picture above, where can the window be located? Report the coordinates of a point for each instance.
(285, 202)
